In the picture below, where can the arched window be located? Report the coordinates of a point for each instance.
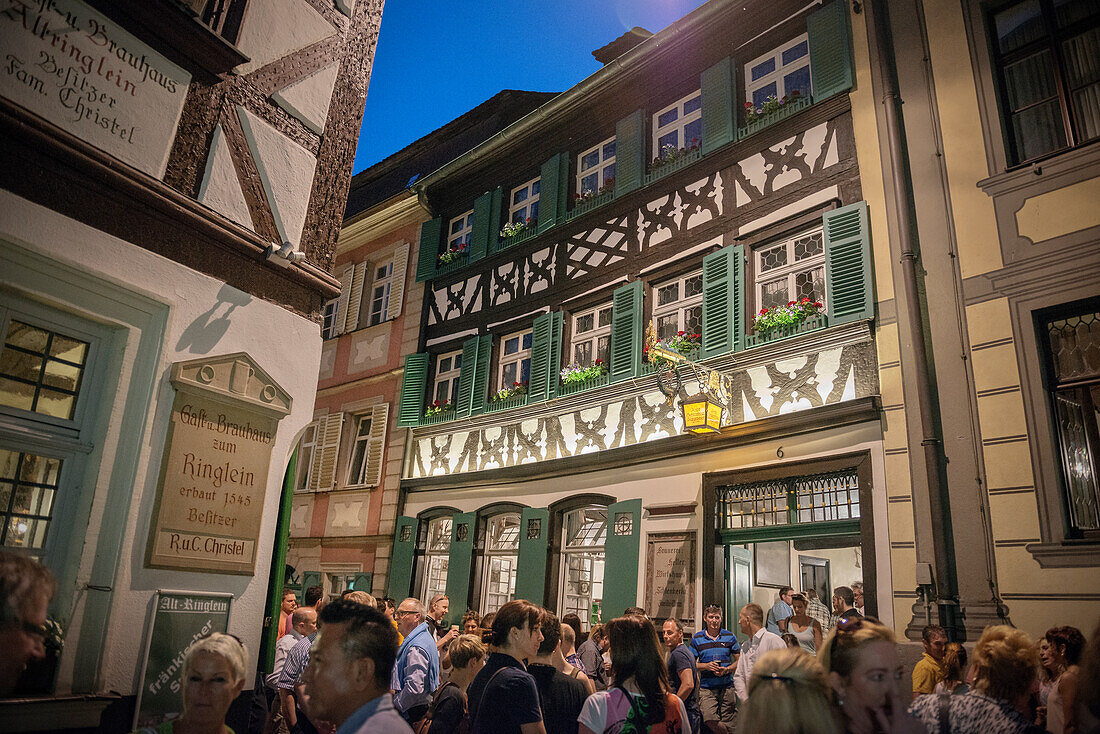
(585, 532)
(436, 558)
(501, 561)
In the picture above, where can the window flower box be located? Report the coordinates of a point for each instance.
(508, 397)
(575, 378)
(673, 159)
(772, 111)
(818, 320)
(438, 412)
(683, 342)
(515, 232)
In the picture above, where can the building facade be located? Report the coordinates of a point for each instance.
(350, 456)
(173, 184)
(759, 167)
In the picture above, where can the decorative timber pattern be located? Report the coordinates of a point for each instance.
(598, 247)
(679, 211)
(463, 298)
(523, 277)
(824, 377)
(790, 161)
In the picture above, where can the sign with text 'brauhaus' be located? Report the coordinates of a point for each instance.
(215, 468)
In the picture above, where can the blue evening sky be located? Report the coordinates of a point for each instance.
(437, 59)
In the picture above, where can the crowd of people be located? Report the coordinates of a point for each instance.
(360, 665)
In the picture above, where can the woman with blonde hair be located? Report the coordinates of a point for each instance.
(954, 670)
(788, 694)
(212, 677)
(1005, 666)
(860, 657)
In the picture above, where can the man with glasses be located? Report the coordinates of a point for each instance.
(26, 588)
(416, 671)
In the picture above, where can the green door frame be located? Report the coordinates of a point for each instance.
(269, 636)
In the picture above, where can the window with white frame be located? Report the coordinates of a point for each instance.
(365, 468)
(448, 367)
(501, 561)
(679, 125)
(582, 567)
(592, 336)
(43, 370)
(436, 557)
(306, 446)
(380, 293)
(515, 359)
(338, 583)
(328, 322)
(596, 168)
(459, 231)
(791, 270)
(524, 204)
(678, 306)
(780, 73)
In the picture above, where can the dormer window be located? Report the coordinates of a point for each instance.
(524, 203)
(596, 168)
(679, 125)
(779, 73)
(459, 231)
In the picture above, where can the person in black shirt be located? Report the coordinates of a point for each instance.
(503, 698)
(560, 695)
(683, 675)
(449, 713)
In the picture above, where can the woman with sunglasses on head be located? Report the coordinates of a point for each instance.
(1005, 669)
(860, 657)
(788, 694)
(639, 699)
(212, 677)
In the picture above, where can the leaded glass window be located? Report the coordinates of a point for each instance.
(583, 559)
(501, 560)
(437, 557)
(808, 499)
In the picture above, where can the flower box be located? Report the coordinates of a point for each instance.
(440, 416)
(812, 323)
(771, 114)
(585, 205)
(672, 159)
(572, 388)
(506, 241)
(576, 378)
(514, 401)
(451, 265)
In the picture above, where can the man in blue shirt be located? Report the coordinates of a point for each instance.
(716, 651)
(780, 612)
(416, 670)
(348, 678)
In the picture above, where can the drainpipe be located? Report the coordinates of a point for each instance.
(944, 581)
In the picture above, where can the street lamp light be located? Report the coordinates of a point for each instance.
(701, 414)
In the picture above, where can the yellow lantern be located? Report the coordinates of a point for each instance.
(701, 414)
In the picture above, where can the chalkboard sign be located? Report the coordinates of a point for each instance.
(179, 619)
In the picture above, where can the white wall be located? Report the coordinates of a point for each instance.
(206, 318)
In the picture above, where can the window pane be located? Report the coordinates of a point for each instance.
(458, 361)
(55, 404)
(441, 391)
(810, 284)
(693, 104)
(759, 95)
(603, 349)
(511, 346)
(608, 172)
(582, 353)
(26, 499)
(590, 159)
(536, 186)
(585, 528)
(1075, 346)
(28, 337)
(1030, 80)
(605, 317)
(763, 69)
(21, 365)
(16, 394)
(773, 258)
(520, 215)
(364, 428)
(808, 246)
(590, 182)
(609, 150)
(795, 52)
(798, 80)
(509, 376)
(1038, 130)
(439, 534)
(668, 294)
(1086, 106)
(1018, 25)
(445, 364)
(504, 533)
(668, 118)
(68, 349)
(525, 371)
(693, 133)
(586, 323)
(669, 140)
(1077, 459)
(527, 340)
(693, 286)
(1068, 12)
(667, 326)
(693, 319)
(774, 294)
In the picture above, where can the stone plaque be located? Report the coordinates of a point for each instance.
(670, 577)
(70, 64)
(214, 473)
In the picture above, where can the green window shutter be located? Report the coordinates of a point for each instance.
(848, 287)
(310, 578)
(718, 91)
(830, 50)
(401, 560)
(414, 380)
(494, 219)
(430, 233)
(723, 300)
(459, 565)
(481, 376)
(553, 190)
(629, 152)
(626, 331)
(363, 582)
(466, 377)
(620, 589)
(545, 357)
(534, 533)
(486, 225)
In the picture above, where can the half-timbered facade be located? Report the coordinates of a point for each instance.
(173, 184)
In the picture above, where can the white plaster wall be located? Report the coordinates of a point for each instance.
(285, 345)
(679, 480)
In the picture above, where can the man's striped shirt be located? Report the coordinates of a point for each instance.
(721, 649)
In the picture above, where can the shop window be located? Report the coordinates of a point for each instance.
(1047, 60)
(1073, 345)
(501, 561)
(680, 125)
(582, 562)
(780, 73)
(524, 203)
(592, 336)
(790, 271)
(436, 558)
(515, 359)
(678, 306)
(596, 168)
